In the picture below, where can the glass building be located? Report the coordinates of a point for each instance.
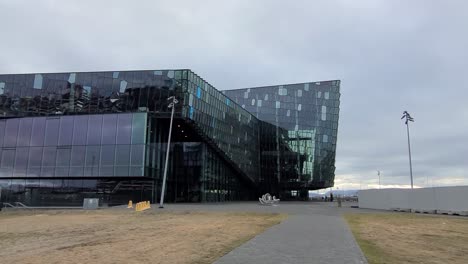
(69, 136)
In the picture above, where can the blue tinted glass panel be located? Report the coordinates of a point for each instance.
(124, 130)
(80, 130)
(93, 156)
(107, 155)
(25, 131)
(66, 130)
(38, 131)
(63, 157)
(78, 156)
(52, 131)
(109, 129)
(11, 132)
(21, 160)
(8, 158)
(35, 157)
(94, 129)
(49, 156)
(2, 131)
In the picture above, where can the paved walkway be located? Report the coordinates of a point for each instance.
(313, 233)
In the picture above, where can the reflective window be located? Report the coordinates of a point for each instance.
(125, 128)
(35, 157)
(325, 138)
(123, 86)
(2, 87)
(63, 157)
(94, 130)
(324, 112)
(282, 91)
(52, 131)
(299, 93)
(137, 155)
(92, 156)
(2, 131)
(21, 160)
(78, 155)
(37, 81)
(122, 155)
(66, 130)
(326, 95)
(11, 132)
(107, 155)
(306, 86)
(48, 158)
(25, 131)
(138, 128)
(109, 129)
(38, 131)
(8, 158)
(80, 130)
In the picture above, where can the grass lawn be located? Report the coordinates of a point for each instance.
(119, 236)
(410, 238)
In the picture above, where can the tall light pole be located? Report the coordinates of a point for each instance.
(408, 117)
(163, 189)
(378, 173)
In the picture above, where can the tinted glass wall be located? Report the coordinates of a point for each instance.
(298, 139)
(73, 146)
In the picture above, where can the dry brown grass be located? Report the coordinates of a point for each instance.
(411, 238)
(116, 236)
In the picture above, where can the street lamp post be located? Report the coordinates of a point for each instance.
(378, 173)
(171, 105)
(408, 117)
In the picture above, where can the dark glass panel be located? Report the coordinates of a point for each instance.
(66, 130)
(2, 131)
(63, 157)
(25, 131)
(11, 132)
(35, 157)
(76, 171)
(8, 158)
(80, 130)
(49, 156)
(61, 171)
(52, 131)
(138, 128)
(21, 160)
(121, 171)
(137, 155)
(38, 131)
(106, 171)
(107, 155)
(124, 129)
(109, 129)
(78, 156)
(122, 155)
(92, 156)
(94, 129)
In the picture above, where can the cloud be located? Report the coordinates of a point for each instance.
(390, 55)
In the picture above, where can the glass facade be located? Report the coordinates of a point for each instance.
(298, 134)
(68, 136)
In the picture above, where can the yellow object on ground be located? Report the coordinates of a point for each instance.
(130, 204)
(141, 206)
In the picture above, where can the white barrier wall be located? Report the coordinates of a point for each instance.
(453, 199)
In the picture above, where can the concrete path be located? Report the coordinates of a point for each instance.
(313, 233)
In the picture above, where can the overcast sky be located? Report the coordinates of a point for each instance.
(391, 56)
